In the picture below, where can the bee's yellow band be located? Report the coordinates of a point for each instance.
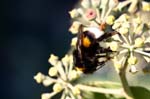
(86, 42)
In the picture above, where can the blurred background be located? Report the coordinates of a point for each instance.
(31, 30)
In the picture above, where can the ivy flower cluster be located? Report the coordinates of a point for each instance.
(92, 13)
(132, 26)
(61, 75)
(134, 39)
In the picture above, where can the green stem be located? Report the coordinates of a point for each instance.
(124, 81)
(101, 90)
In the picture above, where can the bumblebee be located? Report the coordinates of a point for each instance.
(89, 55)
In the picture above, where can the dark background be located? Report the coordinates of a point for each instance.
(30, 31)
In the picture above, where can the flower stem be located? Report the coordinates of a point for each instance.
(101, 90)
(125, 85)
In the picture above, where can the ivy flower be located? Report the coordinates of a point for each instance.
(132, 42)
(93, 13)
(74, 13)
(85, 3)
(90, 14)
(75, 27)
(61, 75)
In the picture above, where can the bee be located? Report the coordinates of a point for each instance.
(89, 55)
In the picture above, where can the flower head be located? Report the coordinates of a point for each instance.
(130, 39)
(64, 75)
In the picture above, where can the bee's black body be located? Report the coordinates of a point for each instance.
(86, 58)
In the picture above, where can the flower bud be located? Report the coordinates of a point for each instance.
(146, 6)
(74, 41)
(95, 3)
(76, 90)
(39, 77)
(73, 75)
(74, 13)
(116, 25)
(110, 19)
(53, 59)
(114, 46)
(57, 87)
(52, 71)
(123, 30)
(47, 81)
(85, 3)
(132, 60)
(75, 27)
(139, 42)
(46, 96)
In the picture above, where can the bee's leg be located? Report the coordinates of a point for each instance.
(101, 55)
(100, 65)
(103, 50)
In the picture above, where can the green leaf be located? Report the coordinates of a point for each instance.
(94, 96)
(140, 93)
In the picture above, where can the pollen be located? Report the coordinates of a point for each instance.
(86, 42)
